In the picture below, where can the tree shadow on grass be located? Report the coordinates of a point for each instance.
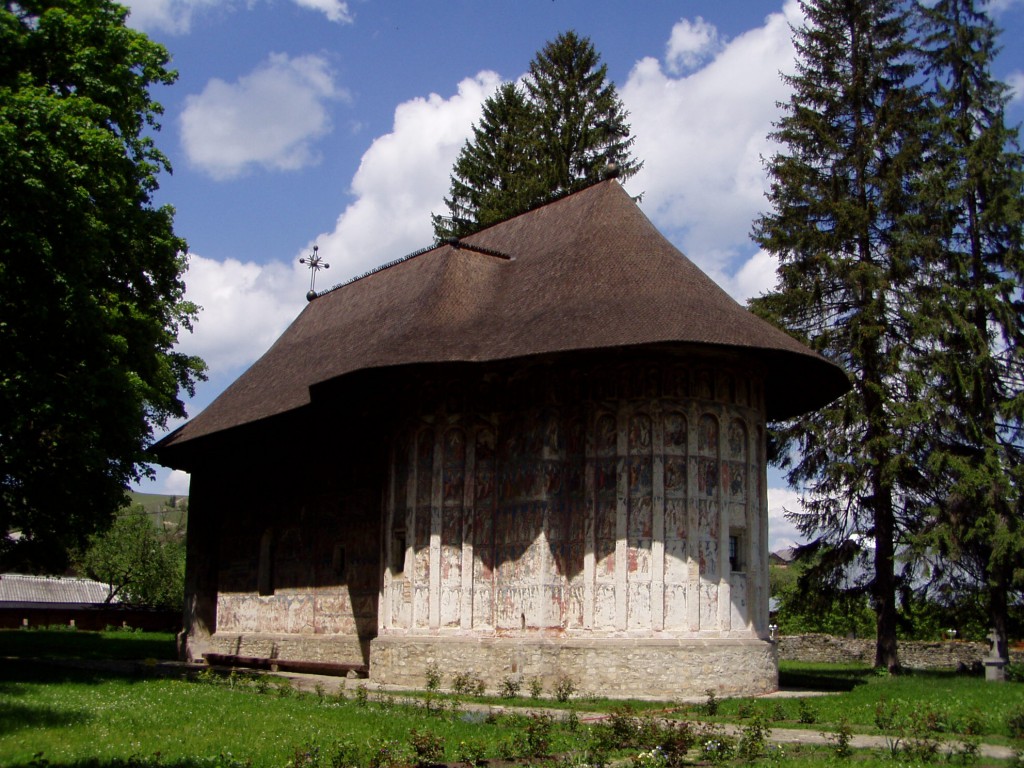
(19, 717)
(824, 678)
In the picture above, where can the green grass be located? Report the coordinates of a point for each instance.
(71, 644)
(940, 703)
(74, 717)
(64, 717)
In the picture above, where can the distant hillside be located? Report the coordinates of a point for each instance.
(170, 513)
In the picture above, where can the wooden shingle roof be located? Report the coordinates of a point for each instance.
(586, 272)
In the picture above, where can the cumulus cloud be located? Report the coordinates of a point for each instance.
(782, 532)
(1016, 83)
(703, 137)
(403, 178)
(175, 16)
(270, 118)
(245, 307)
(690, 44)
(334, 10)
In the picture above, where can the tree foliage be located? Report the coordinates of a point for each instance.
(142, 565)
(897, 219)
(562, 129)
(90, 273)
(970, 313)
(840, 210)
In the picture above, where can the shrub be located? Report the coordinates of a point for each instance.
(840, 740)
(510, 688)
(564, 688)
(1015, 723)
(534, 736)
(427, 748)
(805, 713)
(536, 688)
(753, 743)
(385, 753)
(715, 746)
(472, 752)
(465, 684)
(346, 754)
(433, 677)
(710, 703)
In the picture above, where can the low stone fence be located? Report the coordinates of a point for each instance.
(916, 654)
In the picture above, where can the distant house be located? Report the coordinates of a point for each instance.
(782, 557)
(535, 451)
(44, 601)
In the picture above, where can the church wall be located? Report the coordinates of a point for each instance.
(298, 577)
(618, 503)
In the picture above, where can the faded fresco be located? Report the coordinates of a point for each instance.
(629, 505)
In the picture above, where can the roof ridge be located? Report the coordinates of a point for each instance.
(454, 242)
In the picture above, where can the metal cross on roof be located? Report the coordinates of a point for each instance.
(315, 264)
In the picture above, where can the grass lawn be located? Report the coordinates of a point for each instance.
(64, 717)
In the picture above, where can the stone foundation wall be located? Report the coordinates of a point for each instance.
(619, 668)
(913, 654)
(343, 649)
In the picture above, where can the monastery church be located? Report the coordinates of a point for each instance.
(537, 451)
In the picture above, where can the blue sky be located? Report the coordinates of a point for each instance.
(301, 122)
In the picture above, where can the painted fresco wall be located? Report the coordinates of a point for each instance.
(301, 568)
(627, 501)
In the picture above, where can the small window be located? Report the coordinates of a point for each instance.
(735, 563)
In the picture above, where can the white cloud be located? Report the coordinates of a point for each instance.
(995, 7)
(177, 482)
(269, 118)
(702, 138)
(690, 44)
(245, 307)
(175, 16)
(758, 275)
(1016, 83)
(334, 10)
(403, 178)
(781, 532)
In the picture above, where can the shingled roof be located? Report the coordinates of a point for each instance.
(586, 272)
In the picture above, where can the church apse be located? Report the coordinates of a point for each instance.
(618, 502)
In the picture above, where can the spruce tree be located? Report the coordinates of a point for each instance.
(970, 321)
(842, 228)
(561, 131)
(497, 171)
(581, 122)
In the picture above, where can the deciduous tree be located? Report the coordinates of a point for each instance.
(141, 565)
(90, 273)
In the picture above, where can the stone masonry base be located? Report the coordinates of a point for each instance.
(330, 648)
(613, 668)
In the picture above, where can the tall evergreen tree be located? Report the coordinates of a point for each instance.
(562, 132)
(841, 227)
(497, 171)
(581, 122)
(971, 313)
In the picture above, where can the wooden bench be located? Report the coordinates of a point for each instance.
(336, 669)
